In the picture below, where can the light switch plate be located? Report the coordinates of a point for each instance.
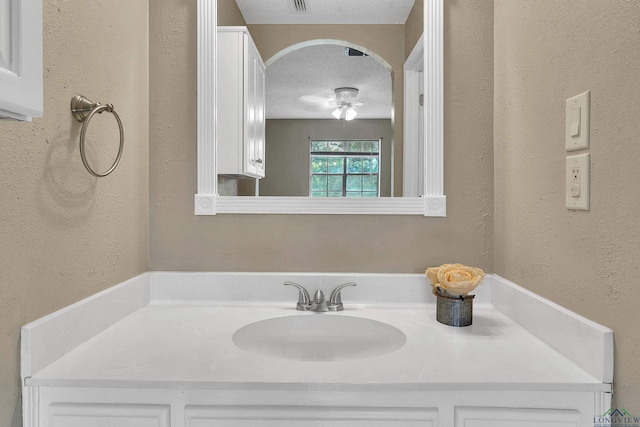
(577, 117)
(577, 187)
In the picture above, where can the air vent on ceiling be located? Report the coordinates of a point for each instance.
(298, 6)
(348, 51)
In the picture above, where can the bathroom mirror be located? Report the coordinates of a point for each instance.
(424, 168)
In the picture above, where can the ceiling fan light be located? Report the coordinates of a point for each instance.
(337, 113)
(350, 114)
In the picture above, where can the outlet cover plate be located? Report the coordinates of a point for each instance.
(577, 186)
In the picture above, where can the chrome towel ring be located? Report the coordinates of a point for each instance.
(83, 110)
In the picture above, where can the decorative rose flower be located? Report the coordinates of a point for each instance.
(456, 279)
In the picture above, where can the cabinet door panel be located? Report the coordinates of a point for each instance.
(255, 120)
(516, 417)
(295, 416)
(99, 415)
(249, 109)
(260, 118)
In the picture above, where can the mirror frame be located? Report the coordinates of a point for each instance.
(432, 203)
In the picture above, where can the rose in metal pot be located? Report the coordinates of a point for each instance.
(456, 279)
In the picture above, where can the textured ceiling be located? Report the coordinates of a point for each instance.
(327, 12)
(301, 84)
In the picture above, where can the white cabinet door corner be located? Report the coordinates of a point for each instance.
(21, 59)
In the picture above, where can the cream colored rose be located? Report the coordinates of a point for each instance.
(456, 279)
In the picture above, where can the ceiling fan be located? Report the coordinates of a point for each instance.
(342, 103)
(345, 98)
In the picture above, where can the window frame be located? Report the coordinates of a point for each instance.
(344, 155)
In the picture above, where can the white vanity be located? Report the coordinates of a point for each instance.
(164, 349)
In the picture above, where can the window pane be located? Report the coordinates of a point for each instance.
(369, 194)
(367, 165)
(335, 194)
(319, 183)
(354, 165)
(336, 146)
(354, 146)
(318, 164)
(370, 183)
(354, 194)
(318, 194)
(370, 146)
(318, 146)
(374, 164)
(335, 183)
(354, 182)
(336, 165)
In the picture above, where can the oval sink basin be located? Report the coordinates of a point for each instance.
(321, 338)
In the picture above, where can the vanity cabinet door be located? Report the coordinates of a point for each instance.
(516, 417)
(292, 416)
(241, 105)
(108, 415)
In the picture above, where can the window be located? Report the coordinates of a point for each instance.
(345, 168)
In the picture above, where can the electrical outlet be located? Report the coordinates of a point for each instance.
(577, 182)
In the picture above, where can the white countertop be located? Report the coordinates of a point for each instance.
(179, 345)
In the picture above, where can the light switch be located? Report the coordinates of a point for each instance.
(577, 182)
(577, 122)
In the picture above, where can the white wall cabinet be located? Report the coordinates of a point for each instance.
(240, 105)
(20, 59)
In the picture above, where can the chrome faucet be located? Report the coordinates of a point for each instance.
(319, 304)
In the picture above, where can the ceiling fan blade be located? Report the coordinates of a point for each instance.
(315, 100)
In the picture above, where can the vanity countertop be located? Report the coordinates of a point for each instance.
(177, 344)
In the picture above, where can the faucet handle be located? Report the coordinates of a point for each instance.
(335, 300)
(304, 302)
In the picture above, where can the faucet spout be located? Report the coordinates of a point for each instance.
(319, 303)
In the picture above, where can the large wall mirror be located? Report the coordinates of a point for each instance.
(319, 158)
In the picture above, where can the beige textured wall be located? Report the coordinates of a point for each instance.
(229, 13)
(545, 52)
(287, 151)
(414, 27)
(182, 241)
(67, 235)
